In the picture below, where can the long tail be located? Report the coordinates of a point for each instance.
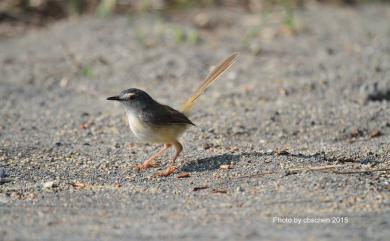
(213, 76)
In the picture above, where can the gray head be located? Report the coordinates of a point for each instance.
(133, 99)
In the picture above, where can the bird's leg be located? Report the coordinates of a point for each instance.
(150, 161)
(179, 149)
(171, 168)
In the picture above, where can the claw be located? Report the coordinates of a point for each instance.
(169, 171)
(147, 164)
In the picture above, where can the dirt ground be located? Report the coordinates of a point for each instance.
(300, 123)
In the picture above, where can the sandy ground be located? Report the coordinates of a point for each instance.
(301, 120)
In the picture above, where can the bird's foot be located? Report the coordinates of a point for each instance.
(147, 164)
(167, 172)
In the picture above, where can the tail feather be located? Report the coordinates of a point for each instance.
(213, 76)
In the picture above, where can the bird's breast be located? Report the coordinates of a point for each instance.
(137, 126)
(154, 134)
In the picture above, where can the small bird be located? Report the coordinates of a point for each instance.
(153, 122)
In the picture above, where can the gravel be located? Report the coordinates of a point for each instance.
(287, 121)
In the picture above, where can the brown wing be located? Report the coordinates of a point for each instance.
(165, 115)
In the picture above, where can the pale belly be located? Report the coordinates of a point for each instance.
(156, 134)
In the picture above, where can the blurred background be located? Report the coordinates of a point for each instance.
(17, 15)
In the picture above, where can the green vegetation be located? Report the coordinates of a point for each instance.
(288, 19)
(86, 71)
(105, 8)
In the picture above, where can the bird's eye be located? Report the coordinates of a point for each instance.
(131, 97)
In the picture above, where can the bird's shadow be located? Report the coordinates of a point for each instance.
(214, 162)
(209, 163)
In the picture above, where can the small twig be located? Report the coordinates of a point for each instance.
(294, 171)
(319, 168)
(219, 191)
(363, 171)
(195, 189)
(183, 175)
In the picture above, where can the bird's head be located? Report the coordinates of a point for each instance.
(133, 99)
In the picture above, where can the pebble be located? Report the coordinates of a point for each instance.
(3, 178)
(376, 91)
(49, 184)
(240, 189)
(2, 173)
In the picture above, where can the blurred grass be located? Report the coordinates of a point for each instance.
(86, 71)
(40, 12)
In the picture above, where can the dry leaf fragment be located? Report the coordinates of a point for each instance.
(226, 166)
(183, 175)
(219, 191)
(374, 133)
(78, 185)
(169, 171)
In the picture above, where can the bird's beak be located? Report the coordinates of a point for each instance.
(114, 98)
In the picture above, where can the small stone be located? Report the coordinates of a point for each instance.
(5, 180)
(240, 189)
(226, 166)
(356, 132)
(330, 51)
(374, 133)
(207, 146)
(49, 184)
(64, 82)
(2, 173)
(377, 91)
